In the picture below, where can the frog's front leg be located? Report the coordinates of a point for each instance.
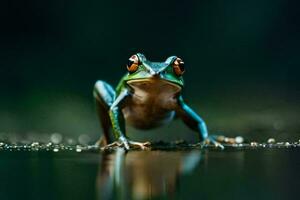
(118, 123)
(195, 122)
(104, 96)
(109, 109)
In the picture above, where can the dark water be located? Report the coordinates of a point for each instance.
(255, 173)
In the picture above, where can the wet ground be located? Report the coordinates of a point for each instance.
(170, 170)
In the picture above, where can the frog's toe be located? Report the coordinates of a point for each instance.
(211, 140)
(141, 145)
(127, 145)
(219, 145)
(111, 145)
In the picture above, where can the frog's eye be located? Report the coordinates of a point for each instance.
(178, 67)
(133, 64)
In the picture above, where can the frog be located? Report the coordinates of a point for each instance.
(148, 96)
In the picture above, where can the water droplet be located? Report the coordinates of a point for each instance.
(84, 139)
(49, 144)
(277, 125)
(287, 144)
(254, 144)
(34, 144)
(239, 139)
(71, 141)
(271, 140)
(78, 150)
(235, 145)
(56, 138)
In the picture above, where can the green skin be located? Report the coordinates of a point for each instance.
(145, 99)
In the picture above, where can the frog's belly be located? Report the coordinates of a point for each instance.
(145, 117)
(152, 104)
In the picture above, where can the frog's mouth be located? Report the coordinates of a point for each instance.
(154, 86)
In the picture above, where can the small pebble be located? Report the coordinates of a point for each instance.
(55, 150)
(271, 140)
(221, 138)
(230, 140)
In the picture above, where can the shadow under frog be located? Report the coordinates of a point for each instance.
(143, 175)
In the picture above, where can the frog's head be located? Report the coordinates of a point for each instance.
(139, 69)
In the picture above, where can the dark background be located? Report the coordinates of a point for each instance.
(242, 61)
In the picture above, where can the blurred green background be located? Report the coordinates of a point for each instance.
(242, 61)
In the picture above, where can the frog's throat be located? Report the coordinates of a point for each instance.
(153, 81)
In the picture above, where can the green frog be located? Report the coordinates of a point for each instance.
(148, 96)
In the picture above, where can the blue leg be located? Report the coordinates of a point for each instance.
(195, 122)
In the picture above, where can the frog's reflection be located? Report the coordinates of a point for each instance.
(143, 174)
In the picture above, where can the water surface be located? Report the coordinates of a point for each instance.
(253, 173)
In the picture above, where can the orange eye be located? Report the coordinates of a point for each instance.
(178, 67)
(133, 64)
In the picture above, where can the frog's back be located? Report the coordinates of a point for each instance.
(152, 103)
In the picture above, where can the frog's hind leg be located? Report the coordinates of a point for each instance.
(104, 96)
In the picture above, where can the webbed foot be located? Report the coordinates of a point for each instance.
(218, 140)
(140, 145)
(128, 144)
(213, 141)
